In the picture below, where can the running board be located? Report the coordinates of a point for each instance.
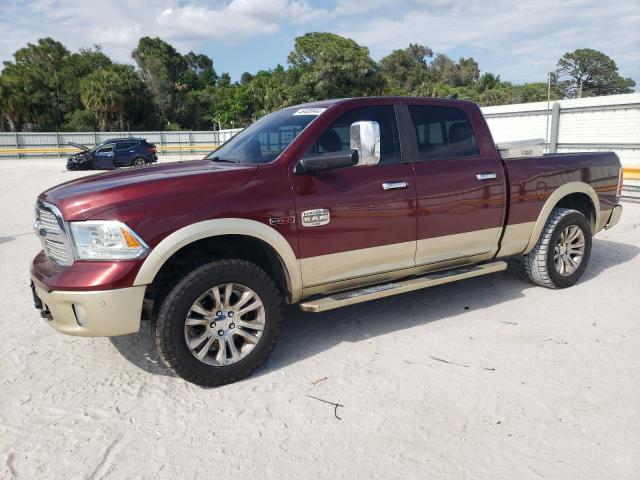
(375, 292)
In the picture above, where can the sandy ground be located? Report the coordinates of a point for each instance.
(541, 384)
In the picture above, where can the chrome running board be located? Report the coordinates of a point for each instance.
(375, 292)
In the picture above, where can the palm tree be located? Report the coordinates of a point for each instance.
(100, 93)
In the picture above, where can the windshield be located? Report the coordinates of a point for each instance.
(263, 141)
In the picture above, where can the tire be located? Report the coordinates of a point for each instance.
(171, 332)
(547, 264)
(138, 162)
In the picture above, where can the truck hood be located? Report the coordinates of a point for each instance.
(86, 197)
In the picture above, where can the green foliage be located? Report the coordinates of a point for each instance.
(588, 72)
(46, 87)
(332, 66)
(80, 121)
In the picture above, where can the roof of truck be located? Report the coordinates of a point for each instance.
(394, 99)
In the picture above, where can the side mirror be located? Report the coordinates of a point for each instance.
(327, 161)
(364, 136)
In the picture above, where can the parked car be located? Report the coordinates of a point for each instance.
(323, 205)
(118, 152)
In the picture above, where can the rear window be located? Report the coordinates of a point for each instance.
(443, 132)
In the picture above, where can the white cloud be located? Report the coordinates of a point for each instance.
(236, 21)
(522, 41)
(519, 40)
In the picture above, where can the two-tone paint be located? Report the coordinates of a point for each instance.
(444, 217)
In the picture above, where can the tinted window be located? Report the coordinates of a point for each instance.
(443, 132)
(336, 137)
(106, 148)
(126, 145)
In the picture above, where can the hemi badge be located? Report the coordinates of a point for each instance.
(315, 218)
(282, 220)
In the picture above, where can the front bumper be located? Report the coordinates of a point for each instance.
(103, 313)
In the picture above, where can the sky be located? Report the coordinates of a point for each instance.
(519, 40)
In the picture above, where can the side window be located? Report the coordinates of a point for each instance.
(106, 149)
(443, 132)
(336, 137)
(126, 145)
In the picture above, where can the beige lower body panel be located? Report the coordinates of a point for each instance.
(334, 273)
(516, 238)
(105, 313)
(357, 263)
(438, 249)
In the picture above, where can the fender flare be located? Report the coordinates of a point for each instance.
(217, 227)
(557, 195)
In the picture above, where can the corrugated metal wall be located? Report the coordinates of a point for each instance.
(42, 144)
(585, 124)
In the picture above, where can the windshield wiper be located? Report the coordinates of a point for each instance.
(226, 160)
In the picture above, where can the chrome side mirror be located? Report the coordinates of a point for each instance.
(364, 136)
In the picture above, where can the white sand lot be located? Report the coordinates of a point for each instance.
(541, 384)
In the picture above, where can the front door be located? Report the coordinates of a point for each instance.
(460, 189)
(103, 158)
(356, 221)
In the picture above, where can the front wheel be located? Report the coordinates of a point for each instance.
(219, 323)
(561, 255)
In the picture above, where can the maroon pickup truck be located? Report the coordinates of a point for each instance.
(323, 205)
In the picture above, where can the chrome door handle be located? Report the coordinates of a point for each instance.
(394, 185)
(486, 176)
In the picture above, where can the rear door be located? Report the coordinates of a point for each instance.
(365, 214)
(460, 187)
(125, 151)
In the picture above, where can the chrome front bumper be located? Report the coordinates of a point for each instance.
(105, 313)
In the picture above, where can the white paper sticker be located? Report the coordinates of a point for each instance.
(310, 111)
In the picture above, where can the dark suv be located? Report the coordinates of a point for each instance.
(117, 152)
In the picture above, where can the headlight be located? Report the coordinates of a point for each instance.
(106, 240)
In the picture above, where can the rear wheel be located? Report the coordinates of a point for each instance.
(138, 162)
(219, 323)
(561, 255)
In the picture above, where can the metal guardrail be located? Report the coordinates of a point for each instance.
(33, 144)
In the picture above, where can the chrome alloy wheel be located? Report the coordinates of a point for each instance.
(224, 324)
(569, 250)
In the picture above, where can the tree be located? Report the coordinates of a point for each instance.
(590, 73)
(332, 66)
(109, 92)
(161, 67)
(404, 70)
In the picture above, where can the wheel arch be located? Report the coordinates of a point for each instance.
(576, 195)
(241, 238)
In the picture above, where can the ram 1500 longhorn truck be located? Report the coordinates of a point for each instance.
(324, 205)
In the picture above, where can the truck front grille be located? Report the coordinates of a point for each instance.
(57, 251)
(48, 220)
(49, 227)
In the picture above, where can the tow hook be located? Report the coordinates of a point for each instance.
(45, 313)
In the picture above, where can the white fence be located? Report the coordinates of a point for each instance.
(42, 144)
(585, 124)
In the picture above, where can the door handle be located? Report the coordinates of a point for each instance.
(394, 185)
(486, 176)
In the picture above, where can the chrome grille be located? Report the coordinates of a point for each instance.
(49, 227)
(56, 251)
(48, 220)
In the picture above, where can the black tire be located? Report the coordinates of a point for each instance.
(169, 325)
(138, 162)
(540, 264)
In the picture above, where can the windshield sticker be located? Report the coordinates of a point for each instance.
(310, 111)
